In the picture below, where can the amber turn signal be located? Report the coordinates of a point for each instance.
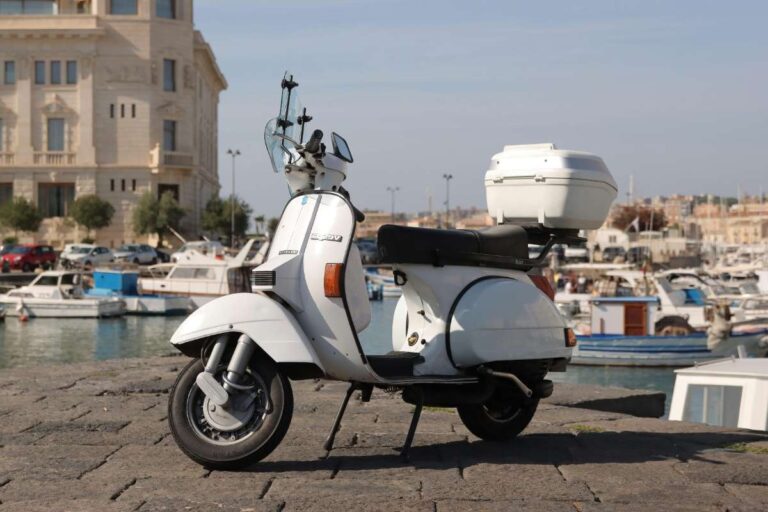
(570, 338)
(334, 273)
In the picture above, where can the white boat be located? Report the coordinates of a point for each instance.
(725, 393)
(385, 281)
(201, 277)
(58, 294)
(622, 334)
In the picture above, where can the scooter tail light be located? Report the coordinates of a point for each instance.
(570, 338)
(543, 284)
(332, 281)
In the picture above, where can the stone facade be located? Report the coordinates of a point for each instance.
(137, 95)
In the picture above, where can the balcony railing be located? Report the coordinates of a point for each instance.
(160, 159)
(173, 159)
(6, 158)
(54, 158)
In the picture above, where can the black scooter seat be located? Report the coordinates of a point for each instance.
(401, 244)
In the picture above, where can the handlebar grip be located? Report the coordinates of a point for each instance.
(313, 144)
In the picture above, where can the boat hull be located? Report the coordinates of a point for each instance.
(162, 306)
(673, 351)
(72, 308)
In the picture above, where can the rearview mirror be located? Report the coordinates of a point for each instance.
(341, 148)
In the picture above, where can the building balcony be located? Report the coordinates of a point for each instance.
(160, 159)
(54, 158)
(52, 26)
(6, 159)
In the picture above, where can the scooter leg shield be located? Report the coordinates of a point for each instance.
(270, 325)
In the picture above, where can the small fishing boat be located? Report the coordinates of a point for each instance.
(123, 284)
(58, 294)
(724, 393)
(623, 334)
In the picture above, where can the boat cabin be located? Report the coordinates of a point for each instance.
(52, 284)
(627, 316)
(724, 393)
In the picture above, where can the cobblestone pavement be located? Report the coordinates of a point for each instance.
(95, 437)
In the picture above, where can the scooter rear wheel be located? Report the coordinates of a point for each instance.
(240, 436)
(499, 419)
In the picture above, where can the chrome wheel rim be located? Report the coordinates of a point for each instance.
(239, 421)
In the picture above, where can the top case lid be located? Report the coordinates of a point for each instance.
(529, 160)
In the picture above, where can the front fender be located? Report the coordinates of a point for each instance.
(264, 320)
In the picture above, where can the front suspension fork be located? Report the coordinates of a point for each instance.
(236, 369)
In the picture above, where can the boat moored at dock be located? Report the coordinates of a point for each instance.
(59, 294)
(623, 333)
(123, 284)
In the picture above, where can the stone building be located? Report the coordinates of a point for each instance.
(107, 97)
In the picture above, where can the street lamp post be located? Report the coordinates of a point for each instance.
(392, 191)
(234, 154)
(447, 178)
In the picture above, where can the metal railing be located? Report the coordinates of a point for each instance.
(54, 158)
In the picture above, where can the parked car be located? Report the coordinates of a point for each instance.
(28, 257)
(136, 253)
(203, 246)
(69, 249)
(87, 255)
(638, 254)
(610, 254)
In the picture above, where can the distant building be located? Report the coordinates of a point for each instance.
(107, 97)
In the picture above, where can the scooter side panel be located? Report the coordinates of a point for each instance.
(268, 323)
(501, 319)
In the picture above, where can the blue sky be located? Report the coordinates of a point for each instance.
(675, 93)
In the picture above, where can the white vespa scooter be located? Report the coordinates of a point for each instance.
(473, 330)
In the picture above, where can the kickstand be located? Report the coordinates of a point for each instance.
(414, 422)
(337, 422)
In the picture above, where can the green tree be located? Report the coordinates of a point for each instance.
(157, 216)
(272, 225)
(626, 215)
(91, 212)
(20, 215)
(217, 216)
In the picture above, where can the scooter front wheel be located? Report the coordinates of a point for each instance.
(498, 419)
(246, 431)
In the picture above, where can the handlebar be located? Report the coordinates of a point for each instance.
(313, 144)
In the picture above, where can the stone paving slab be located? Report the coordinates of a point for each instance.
(94, 437)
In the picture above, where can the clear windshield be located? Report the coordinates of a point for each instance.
(286, 124)
(128, 248)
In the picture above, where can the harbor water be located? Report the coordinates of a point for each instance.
(49, 341)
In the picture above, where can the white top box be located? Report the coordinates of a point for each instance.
(538, 184)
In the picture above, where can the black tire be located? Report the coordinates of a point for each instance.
(256, 444)
(26, 267)
(154, 261)
(499, 419)
(136, 261)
